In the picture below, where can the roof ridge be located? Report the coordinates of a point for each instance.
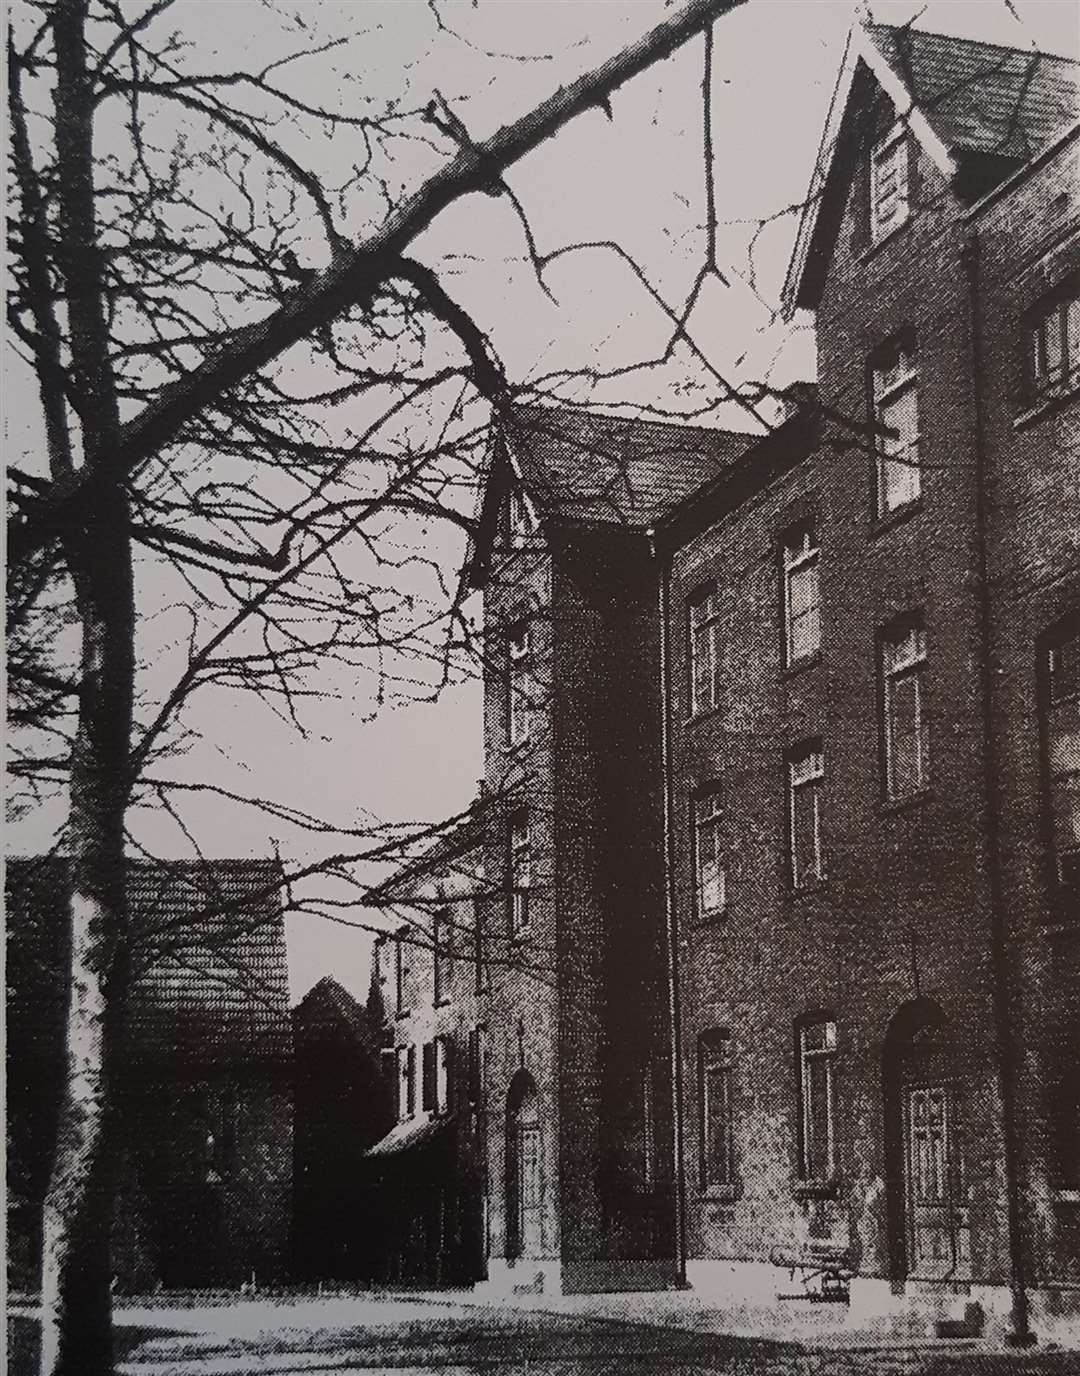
(667, 424)
(972, 42)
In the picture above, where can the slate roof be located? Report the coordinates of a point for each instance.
(969, 104)
(583, 466)
(210, 984)
(982, 97)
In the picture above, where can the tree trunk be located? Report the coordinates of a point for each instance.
(76, 1338)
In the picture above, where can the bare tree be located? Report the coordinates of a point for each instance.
(170, 303)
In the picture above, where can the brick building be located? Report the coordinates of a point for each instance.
(782, 770)
(873, 837)
(205, 1173)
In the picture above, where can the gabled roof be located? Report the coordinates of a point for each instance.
(583, 466)
(328, 1007)
(210, 984)
(959, 98)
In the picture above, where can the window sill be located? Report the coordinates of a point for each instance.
(815, 886)
(816, 1189)
(721, 1194)
(1044, 406)
(798, 666)
(696, 717)
(892, 807)
(876, 245)
(880, 524)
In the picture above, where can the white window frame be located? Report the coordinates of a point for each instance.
(903, 657)
(703, 628)
(806, 776)
(707, 817)
(716, 1058)
(892, 383)
(520, 847)
(890, 183)
(518, 657)
(801, 556)
(1062, 725)
(443, 1088)
(808, 1055)
(521, 519)
(1054, 345)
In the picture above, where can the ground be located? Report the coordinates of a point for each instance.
(354, 1336)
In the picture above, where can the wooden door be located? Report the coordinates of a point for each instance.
(935, 1185)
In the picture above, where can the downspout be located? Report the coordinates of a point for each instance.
(1021, 1335)
(670, 925)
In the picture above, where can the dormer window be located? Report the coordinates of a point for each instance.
(889, 177)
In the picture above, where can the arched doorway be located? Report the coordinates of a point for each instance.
(524, 1185)
(925, 1149)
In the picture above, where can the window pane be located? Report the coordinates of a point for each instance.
(710, 877)
(905, 735)
(899, 466)
(817, 1153)
(1065, 801)
(806, 834)
(1065, 670)
(717, 1123)
(1054, 345)
(1072, 338)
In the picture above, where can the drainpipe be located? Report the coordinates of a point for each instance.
(1021, 1335)
(670, 925)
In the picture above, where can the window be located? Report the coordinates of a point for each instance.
(406, 1075)
(399, 975)
(817, 1106)
(889, 183)
(518, 653)
(715, 1066)
(436, 1082)
(806, 777)
(442, 956)
(1054, 345)
(477, 1064)
(704, 617)
(906, 724)
(710, 887)
(521, 521)
(896, 411)
(802, 594)
(1062, 725)
(520, 870)
(480, 961)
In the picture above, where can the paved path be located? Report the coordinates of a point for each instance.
(367, 1334)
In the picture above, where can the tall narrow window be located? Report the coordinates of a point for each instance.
(806, 779)
(802, 594)
(704, 618)
(520, 869)
(710, 885)
(715, 1069)
(1054, 345)
(817, 1100)
(406, 1059)
(444, 1079)
(1062, 723)
(399, 975)
(906, 724)
(481, 965)
(896, 409)
(889, 183)
(477, 1064)
(442, 962)
(518, 684)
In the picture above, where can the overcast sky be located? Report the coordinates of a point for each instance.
(637, 178)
